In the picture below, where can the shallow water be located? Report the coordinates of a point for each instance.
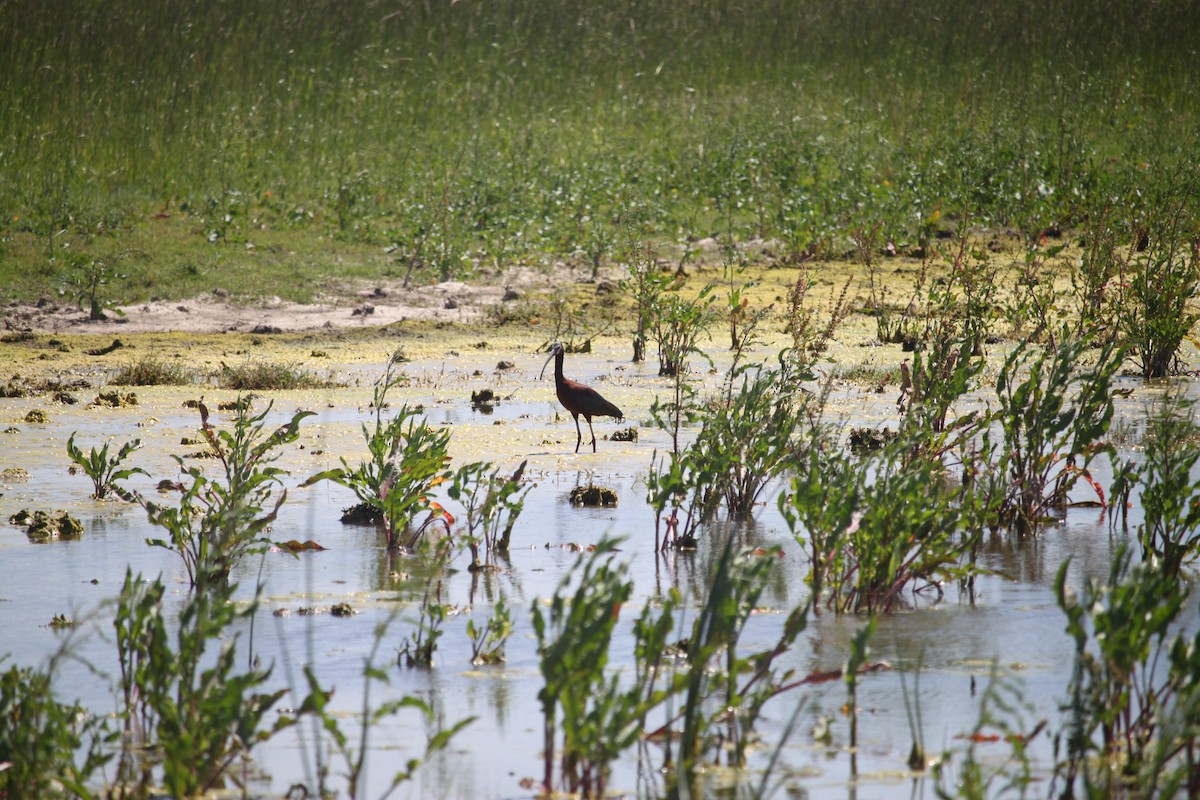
(942, 652)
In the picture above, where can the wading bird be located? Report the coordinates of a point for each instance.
(577, 398)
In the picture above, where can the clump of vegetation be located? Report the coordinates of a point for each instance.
(103, 469)
(47, 747)
(629, 434)
(484, 400)
(491, 503)
(875, 526)
(153, 371)
(1133, 691)
(352, 750)
(408, 459)
(1155, 313)
(219, 520)
(487, 641)
(1054, 411)
(259, 376)
(199, 714)
(573, 637)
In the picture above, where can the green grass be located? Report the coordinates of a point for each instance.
(243, 147)
(265, 375)
(151, 371)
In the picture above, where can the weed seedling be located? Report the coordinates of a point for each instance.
(102, 468)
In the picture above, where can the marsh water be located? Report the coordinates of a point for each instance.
(942, 652)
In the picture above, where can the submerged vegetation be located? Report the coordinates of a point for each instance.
(439, 141)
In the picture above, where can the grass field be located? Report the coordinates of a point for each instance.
(274, 147)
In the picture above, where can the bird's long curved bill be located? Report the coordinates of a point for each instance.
(548, 360)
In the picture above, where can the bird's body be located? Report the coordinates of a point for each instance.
(577, 398)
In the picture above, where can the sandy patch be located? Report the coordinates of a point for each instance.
(453, 302)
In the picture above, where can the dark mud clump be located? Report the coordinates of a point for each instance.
(361, 514)
(868, 440)
(629, 434)
(114, 400)
(43, 526)
(484, 400)
(593, 496)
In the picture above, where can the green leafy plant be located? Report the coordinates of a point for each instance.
(258, 376)
(1124, 713)
(573, 636)
(723, 690)
(47, 748)
(152, 371)
(677, 325)
(204, 714)
(219, 520)
(859, 652)
(1155, 313)
(418, 649)
(487, 641)
(492, 503)
(103, 469)
(1170, 532)
(88, 281)
(875, 525)
(1002, 710)
(1054, 409)
(407, 460)
(645, 283)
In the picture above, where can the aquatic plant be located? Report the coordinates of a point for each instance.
(195, 712)
(674, 491)
(744, 320)
(875, 525)
(418, 649)
(47, 748)
(573, 636)
(408, 459)
(1054, 409)
(258, 376)
(1154, 312)
(937, 377)
(723, 691)
(487, 641)
(1126, 718)
(102, 468)
(810, 336)
(746, 436)
(491, 503)
(1002, 710)
(219, 520)
(645, 283)
(1170, 532)
(857, 659)
(676, 326)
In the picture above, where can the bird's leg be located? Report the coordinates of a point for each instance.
(578, 433)
(593, 433)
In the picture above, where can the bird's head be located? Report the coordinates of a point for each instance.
(556, 349)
